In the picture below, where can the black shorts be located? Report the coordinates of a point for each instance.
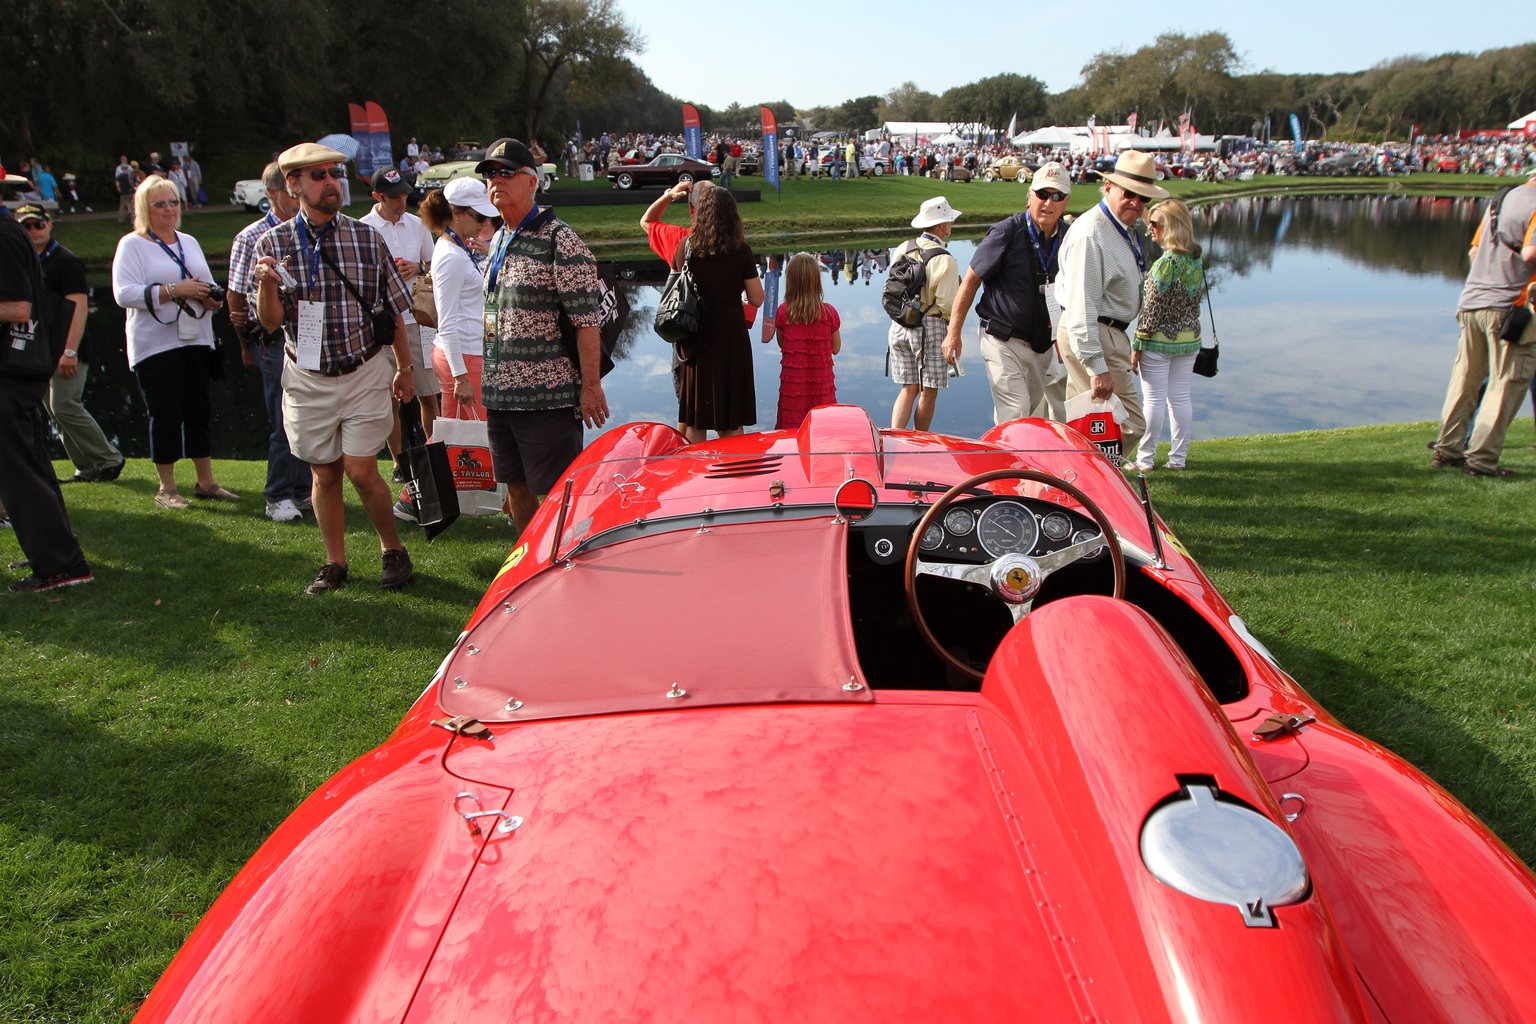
(533, 448)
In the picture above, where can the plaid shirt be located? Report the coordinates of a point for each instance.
(546, 270)
(358, 252)
(242, 256)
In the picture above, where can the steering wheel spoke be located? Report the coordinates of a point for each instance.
(1067, 555)
(1018, 611)
(957, 571)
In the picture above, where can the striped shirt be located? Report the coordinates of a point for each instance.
(358, 252)
(546, 270)
(242, 256)
(1099, 277)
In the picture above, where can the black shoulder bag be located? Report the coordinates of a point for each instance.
(1205, 359)
(383, 320)
(678, 314)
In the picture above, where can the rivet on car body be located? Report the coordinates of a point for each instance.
(853, 685)
(676, 691)
(507, 608)
(471, 649)
(513, 703)
(459, 683)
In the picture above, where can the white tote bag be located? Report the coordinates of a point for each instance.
(469, 455)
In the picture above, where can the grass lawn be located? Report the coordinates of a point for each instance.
(160, 722)
(809, 208)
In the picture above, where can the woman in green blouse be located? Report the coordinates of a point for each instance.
(1168, 332)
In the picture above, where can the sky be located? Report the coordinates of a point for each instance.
(821, 53)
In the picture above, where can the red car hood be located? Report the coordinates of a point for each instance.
(922, 858)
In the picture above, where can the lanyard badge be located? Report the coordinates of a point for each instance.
(1131, 238)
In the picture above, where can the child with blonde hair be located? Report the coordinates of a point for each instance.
(808, 334)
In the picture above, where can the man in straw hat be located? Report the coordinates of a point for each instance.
(917, 353)
(336, 384)
(1103, 260)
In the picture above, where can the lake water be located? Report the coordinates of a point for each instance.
(1331, 312)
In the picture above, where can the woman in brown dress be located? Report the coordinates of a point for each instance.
(717, 391)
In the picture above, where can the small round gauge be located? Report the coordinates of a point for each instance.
(1007, 528)
(958, 521)
(1056, 527)
(933, 537)
(1082, 535)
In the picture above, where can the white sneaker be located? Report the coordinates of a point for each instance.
(283, 511)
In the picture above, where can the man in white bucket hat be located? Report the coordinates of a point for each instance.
(1103, 260)
(917, 352)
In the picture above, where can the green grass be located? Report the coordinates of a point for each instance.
(158, 723)
(809, 209)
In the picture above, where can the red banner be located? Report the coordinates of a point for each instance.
(690, 116)
(770, 124)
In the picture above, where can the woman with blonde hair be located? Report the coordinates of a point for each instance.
(809, 334)
(159, 275)
(1168, 333)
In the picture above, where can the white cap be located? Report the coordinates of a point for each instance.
(1051, 175)
(470, 192)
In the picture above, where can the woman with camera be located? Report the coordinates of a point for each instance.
(160, 277)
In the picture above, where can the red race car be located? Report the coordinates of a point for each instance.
(850, 724)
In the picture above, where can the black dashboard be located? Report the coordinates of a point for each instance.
(975, 530)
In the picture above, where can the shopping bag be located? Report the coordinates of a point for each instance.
(431, 492)
(1099, 422)
(468, 452)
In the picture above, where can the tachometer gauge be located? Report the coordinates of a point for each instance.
(958, 521)
(1007, 528)
(1082, 535)
(1056, 527)
(933, 537)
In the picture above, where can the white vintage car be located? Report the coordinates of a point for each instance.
(251, 194)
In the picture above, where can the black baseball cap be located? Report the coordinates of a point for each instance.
(387, 181)
(30, 212)
(507, 153)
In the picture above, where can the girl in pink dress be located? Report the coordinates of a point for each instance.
(808, 335)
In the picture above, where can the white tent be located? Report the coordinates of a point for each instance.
(923, 128)
(1518, 123)
(1052, 136)
(947, 139)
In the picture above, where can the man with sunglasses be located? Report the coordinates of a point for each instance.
(95, 457)
(320, 277)
(410, 243)
(536, 397)
(1014, 267)
(1103, 261)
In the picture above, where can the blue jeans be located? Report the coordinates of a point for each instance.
(288, 476)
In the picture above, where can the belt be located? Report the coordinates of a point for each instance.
(344, 370)
(1119, 325)
(985, 322)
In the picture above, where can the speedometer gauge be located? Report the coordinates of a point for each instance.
(1056, 526)
(958, 522)
(933, 537)
(1007, 528)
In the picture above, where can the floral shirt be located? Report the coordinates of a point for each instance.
(1170, 310)
(545, 270)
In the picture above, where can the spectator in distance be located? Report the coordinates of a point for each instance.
(917, 353)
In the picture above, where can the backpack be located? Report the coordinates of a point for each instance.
(902, 294)
(615, 312)
(1494, 205)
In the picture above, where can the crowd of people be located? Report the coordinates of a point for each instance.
(358, 324)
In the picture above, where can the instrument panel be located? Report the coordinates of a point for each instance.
(981, 530)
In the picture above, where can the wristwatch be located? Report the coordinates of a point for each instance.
(406, 369)
(69, 353)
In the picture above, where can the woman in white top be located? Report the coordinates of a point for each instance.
(160, 277)
(465, 216)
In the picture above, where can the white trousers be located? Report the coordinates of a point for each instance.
(1165, 383)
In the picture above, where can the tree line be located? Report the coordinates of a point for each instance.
(99, 77)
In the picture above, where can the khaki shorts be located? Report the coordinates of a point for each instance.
(421, 362)
(328, 417)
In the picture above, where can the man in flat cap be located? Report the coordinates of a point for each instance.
(1103, 260)
(536, 394)
(336, 384)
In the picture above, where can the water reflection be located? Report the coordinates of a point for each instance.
(1331, 312)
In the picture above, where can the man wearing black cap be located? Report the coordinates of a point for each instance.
(410, 243)
(28, 487)
(536, 398)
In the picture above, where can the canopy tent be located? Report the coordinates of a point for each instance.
(947, 139)
(923, 128)
(1052, 136)
(1520, 122)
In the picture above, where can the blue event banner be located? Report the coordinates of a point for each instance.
(770, 149)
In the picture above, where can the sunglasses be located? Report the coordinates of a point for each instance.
(506, 173)
(480, 218)
(163, 203)
(321, 173)
(1156, 222)
(1137, 196)
(1051, 195)
(35, 225)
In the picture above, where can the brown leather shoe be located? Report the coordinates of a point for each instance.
(1441, 461)
(331, 576)
(397, 569)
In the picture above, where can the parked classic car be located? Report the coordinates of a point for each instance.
(251, 194)
(851, 724)
(1346, 164)
(663, 172)
(1009, 168)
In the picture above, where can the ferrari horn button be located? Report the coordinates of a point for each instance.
(1016, 578)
